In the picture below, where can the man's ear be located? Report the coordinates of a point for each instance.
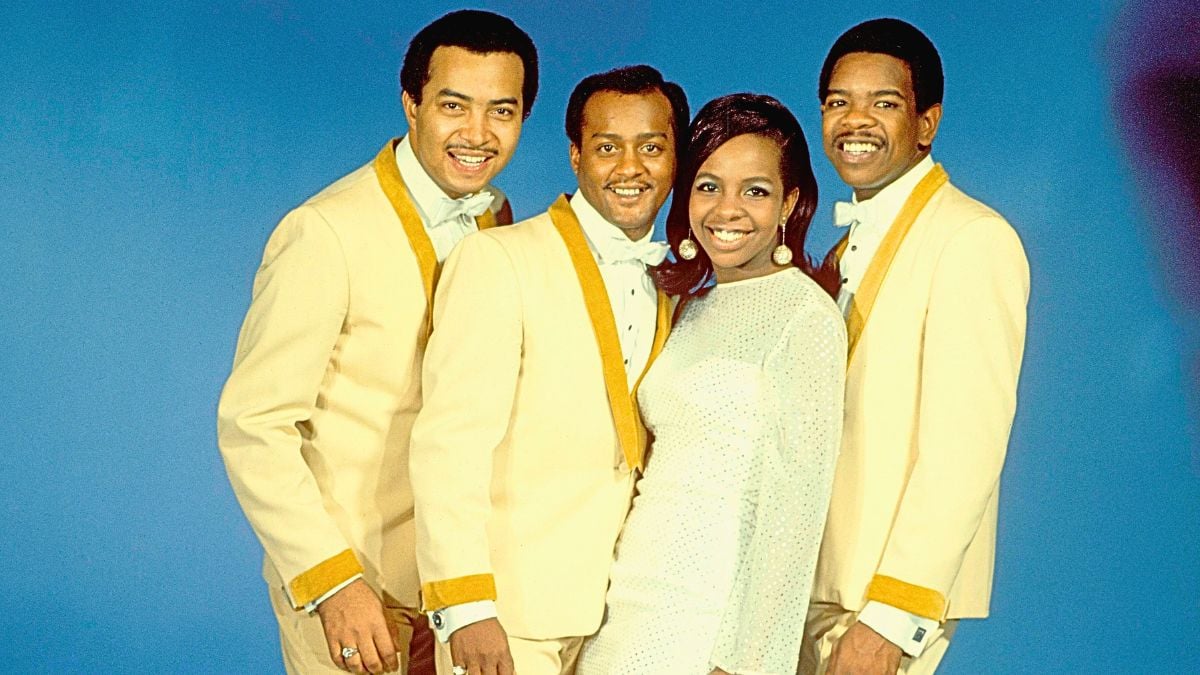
(410, 109)
(927, 125)
(574, 153)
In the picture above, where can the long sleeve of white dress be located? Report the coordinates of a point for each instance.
(762, 626)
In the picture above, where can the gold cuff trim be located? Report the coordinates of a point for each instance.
(924, 602)
(317, 581)
(438, 594)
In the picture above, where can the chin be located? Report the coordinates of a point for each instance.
(469, 188)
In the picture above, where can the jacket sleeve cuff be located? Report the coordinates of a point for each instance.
(909, 632)
(312, 606)
(322, 578)
(918, 600)
(449, 619)
(436, 595)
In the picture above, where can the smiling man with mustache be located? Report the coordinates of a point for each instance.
(934, 289)
(525, 453)
(314, 420)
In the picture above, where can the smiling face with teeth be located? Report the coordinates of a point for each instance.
(736, 205)
(467, 124)
(625, 162)
(872, 131)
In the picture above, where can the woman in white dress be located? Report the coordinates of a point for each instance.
(715, 563)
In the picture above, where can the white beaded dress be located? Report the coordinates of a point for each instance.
(715, 563)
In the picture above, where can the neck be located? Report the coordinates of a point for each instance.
(637, 232)
(726, 275)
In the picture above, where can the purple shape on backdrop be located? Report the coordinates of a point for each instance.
(1155, 60)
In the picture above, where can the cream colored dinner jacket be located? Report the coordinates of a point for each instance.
(522, 456)
(314, 421)
(937, 331)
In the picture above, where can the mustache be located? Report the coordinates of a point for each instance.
(857, 136)
(474, 148)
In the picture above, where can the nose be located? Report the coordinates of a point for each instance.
(729, 208)
(629, 165)
(858, 116)
(475, 128)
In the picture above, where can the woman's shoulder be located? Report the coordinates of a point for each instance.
(802, 294)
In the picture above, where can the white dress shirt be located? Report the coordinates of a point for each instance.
(631, 292)
(634, 302)
(446, 220)
(869, 222)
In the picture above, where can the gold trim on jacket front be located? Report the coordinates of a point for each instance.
(864, 297)
(630, 433)
(397, 193)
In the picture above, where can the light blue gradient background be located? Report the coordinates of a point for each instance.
(147, 149)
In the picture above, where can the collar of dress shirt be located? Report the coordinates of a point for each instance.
(606, 240)
(426, 194)
(886, 204)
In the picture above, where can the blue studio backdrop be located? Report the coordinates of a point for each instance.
(148, 148)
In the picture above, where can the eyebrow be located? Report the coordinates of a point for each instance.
(744, 181)
(880, 92)
(496, 101)
(641, 137)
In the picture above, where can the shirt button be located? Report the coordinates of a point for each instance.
(630, 328)
(845, 280)
(632, 292)
(854, 247)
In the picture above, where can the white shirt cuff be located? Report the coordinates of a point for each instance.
(312, 606)
(446, 620)
(909, 632)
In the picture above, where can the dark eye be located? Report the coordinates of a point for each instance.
(757, 191)
(886, 104)
(451, 105)
(706, 186)
(652, 148)
(504, 112)
(606, 148)
(834, 103)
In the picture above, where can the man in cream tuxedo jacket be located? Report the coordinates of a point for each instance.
(314, 421)
(524, 457)
(934, 287)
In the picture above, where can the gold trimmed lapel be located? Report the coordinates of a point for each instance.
(595, 298)
(864, 297)
(396, 191)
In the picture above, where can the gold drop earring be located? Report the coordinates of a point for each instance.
(782, 255)
(687, 248)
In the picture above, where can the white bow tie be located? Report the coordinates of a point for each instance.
(648, 253)
(846, 213)
(456, 209)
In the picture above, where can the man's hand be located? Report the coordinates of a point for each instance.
(353, 617)
(482, 648)
(862, 651)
